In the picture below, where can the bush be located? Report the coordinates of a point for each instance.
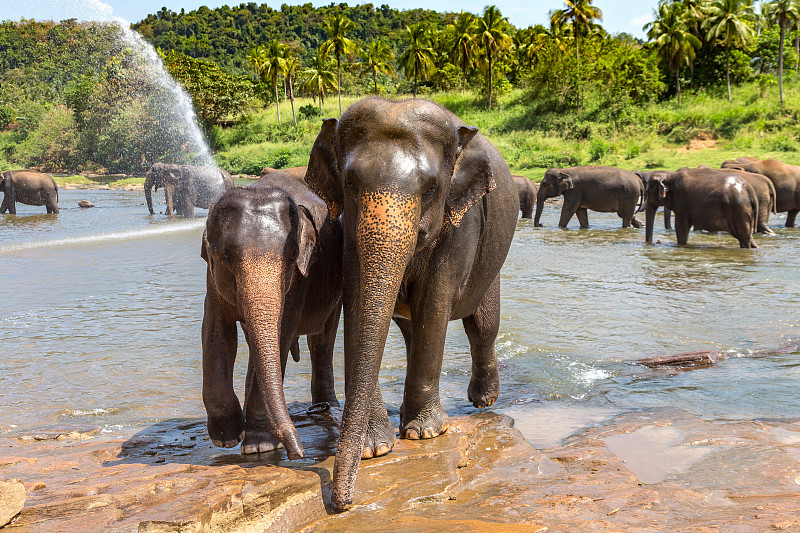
(598, 149)
(281, 158)
(309, 111)
(7, 116)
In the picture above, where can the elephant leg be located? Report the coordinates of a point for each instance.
(682, 227)
(381, 436)
(321, 347)
(667, 218)
(481, 328)
(790, 216)
(583, 217)
(4, 205)
(168, 198)
(567, 210)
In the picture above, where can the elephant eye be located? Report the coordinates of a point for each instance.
(429, 193)
(227, 256)
(351, 186)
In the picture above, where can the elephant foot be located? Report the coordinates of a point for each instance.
(426, 425)
(380, 438)
(259, 441)
(483, 390)
(329, 398)
(636, 223)
(226, 431)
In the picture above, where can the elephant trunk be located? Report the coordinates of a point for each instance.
(261, 298)
(148, 184)
(540, 198)
(384, 242)
(650, 220)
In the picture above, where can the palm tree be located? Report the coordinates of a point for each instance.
(491, 39)
(418, 59)
(337, 27)
(582, 14)
(319, 79)
(676, 44)
(377, 58)
(291, 64)
(785, 14)
(727, 20)
(268, 63)
(463, 49)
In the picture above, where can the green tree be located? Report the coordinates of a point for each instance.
(462, 50)
(785, 14)
(377, 59)
(581, 14)
(729, 21)
(268, 62)
(319, 79)
(337, 28)
(491, 39)
(670, 32)
(419, 58)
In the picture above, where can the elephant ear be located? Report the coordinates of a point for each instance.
(472, 176)
(564, 182)
(306, 239)
(322, 174)
(203, 246)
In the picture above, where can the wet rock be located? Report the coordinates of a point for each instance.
(85, 204)
(12, 500)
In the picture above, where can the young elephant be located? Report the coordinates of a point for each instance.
(28, 187)
(706, 200)
(274, 264)
(604, 189)
(527, 195)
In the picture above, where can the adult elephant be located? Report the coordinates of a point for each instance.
(786, 179)
(604, 189)
(186, 186)
(28, 187)
(430, 210)
(527, 195)
(295, 172)
(705, 199)
(278, 284)
(646, 176)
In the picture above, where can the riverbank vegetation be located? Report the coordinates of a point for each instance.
(713, 75)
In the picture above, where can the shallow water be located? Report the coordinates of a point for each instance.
(102, 311)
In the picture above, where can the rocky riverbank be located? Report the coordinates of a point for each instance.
(651, 470)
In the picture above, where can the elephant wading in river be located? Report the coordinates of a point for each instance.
(604, 189)
(274, 264)
(186, 187)
(705, 199)
(429, 213)
(28, 187)
(785, 178)
(527, 195)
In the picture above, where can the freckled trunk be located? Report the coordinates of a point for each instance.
(540, 198)
(650, 220)
(261, 305)
(383, 247)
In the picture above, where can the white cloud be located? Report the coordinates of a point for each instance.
(641, 21)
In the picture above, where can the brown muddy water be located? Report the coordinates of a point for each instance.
(101, 313)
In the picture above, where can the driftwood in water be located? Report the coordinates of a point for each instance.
(707, 357)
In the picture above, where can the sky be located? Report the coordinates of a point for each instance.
(618, 15)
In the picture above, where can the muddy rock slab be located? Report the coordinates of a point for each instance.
(12, 500)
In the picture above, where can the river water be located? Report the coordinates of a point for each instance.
(101, 314)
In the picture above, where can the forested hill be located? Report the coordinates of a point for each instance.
(226, 34)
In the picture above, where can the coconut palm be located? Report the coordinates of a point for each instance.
(728, 21)
(268, 63)
(490, 40)
(319, 78)
(785, 14)
(291, 64)
(582, 15)
(418, 61)
(337, 27)
(463, 45)
(377, 58)
(676, 44)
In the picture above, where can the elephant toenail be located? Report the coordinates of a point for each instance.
(383, 449)
(217, 443)
(428, 433)
(366, 453)
(412, 434)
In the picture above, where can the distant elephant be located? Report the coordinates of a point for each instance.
(28, 187)
(296, 172)
(706, 200)
(279, 284)
(646, 176)
(527, 195)
(186, 187)
(604, 189)
(786, 179)
(429, 210)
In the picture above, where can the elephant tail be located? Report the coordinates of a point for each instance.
(754, 215)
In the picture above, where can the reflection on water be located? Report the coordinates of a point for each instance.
(102, 310)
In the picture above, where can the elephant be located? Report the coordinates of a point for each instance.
(429, 210)
(604, 189)
(28, 187)
(186, 187)
(297, 172)
(705, 199)
(274, 264)
(646, 176)
(786, 179)
(527, 195)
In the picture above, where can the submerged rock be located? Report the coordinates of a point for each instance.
(12, 500)
(85, 203)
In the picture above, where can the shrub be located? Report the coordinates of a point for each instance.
(309, 111)
(597, 149)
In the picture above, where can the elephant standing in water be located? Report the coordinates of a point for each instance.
(527, 195)
(429, 213)
(786, 179)
(186, 187)
(705, 199)
(604, 189)
(646, 176)
(28, 187)
(274, 264)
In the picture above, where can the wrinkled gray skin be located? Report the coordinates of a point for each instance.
(274, 264)
(604, 189)
(429, 213)
(295, 172)
(527, 195)
(28, 187)
(646, 176)
(706, 200)
(785, 178)
(186, 187)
